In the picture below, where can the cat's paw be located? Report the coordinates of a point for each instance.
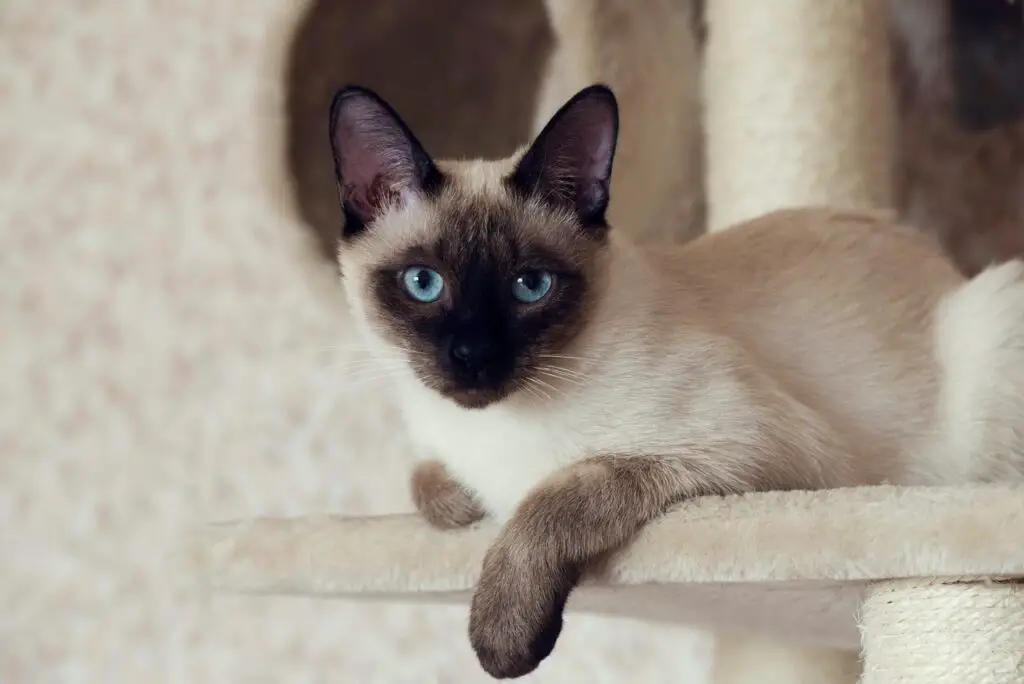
(516, 613)
(440, 499)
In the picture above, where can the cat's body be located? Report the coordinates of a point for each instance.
(575, 384)
(807, 322)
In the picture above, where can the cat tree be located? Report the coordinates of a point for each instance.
(926, 583)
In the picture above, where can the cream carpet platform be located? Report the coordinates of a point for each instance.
(910, 568)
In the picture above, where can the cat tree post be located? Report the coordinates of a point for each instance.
(798, 106)
(943, 632)
(797, 111)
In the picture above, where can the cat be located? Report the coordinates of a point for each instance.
(573, 384)
(959, 152)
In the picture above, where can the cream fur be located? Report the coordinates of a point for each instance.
(980, 345)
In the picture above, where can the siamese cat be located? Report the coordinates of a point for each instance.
(575, 385)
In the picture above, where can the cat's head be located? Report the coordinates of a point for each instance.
(480, 275)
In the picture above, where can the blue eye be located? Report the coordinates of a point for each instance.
(532, 286)
(423, 284)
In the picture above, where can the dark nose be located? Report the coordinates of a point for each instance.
(471, 353)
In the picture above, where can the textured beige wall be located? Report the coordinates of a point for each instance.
(173, 349)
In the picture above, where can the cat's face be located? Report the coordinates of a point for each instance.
(481, 275)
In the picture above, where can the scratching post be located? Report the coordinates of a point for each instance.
(797, 113)
(798, 107)
(933, 632)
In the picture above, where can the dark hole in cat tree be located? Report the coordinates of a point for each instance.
(463, 74)
(988, 61)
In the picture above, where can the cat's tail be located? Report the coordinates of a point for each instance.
(979, 331)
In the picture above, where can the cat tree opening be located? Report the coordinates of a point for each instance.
(464, 75)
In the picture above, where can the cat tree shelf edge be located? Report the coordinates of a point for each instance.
(796, 563)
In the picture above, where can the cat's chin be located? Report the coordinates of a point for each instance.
(471, 398)
(475, 398)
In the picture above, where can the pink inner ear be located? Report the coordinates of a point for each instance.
(581, 147)
(593, 141)
(601, 148)
(367, 200)
(375, 158)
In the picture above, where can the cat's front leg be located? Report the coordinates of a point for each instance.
(441, 499)
(572, 519)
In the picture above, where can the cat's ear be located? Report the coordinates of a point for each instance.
(379, 163)
(569, 164)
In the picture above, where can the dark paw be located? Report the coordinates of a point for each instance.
(441, 500)
(508, 649)
(516, 614)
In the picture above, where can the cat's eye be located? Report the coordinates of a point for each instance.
(532, 286)
(423, 284)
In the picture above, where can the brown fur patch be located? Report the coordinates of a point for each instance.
(440, 499)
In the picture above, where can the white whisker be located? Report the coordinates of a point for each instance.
(566, 375)
(547, 385)
(528, 388)
(566, 357)
(367, 380)
(537, 387)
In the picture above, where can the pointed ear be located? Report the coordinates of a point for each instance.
(570, 162)
(379, 163)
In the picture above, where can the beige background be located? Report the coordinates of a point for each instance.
(173, 349)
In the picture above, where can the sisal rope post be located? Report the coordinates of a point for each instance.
(799, 107)
(933, 632)
(798, 111)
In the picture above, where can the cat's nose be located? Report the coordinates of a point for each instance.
(471, 353)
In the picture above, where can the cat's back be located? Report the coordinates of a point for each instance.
(818, 260)
(826, 244)
(839, 305)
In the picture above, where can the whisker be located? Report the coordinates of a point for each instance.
(548, 385)
(529, 389)
(372, 368)
(567, 357)
(543, 395)
(579, 379)
(357, 366)
(363, 381)
(360, 348)
(573, 383)
(566, 372)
